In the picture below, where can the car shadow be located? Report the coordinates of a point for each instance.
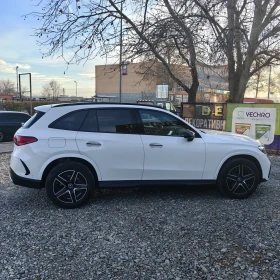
(152, 192)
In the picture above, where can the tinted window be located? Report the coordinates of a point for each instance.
(33, 119)
(115, 120)
(6, 118)
(90, 123)
(71, 121)
(21, 118)
(159, 123)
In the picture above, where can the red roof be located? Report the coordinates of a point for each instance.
(257, 100)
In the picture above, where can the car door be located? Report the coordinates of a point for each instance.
(107, 137)
(168, 155)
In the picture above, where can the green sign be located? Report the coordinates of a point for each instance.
(259, 121)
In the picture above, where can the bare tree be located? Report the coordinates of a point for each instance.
(7, 86)
(161, 30)
(51, 90)
(245, 35)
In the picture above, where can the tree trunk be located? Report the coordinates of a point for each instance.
(258, 82)
(194, 87)
(237, 85)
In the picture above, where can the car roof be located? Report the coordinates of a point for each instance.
(14, 112)
(45, 108)
(102, 103)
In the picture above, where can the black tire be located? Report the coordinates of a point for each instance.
(70, 184)
(1, 136)
(238, 178)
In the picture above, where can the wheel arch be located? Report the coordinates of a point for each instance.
(55, 162)
(244, 156)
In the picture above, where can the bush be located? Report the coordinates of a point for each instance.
(24, 106)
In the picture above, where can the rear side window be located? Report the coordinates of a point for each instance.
(33, 119)
(7, 118)
(90, 123)
(115, 121)
(21, 118)
(70, 121)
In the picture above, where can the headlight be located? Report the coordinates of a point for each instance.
(262, 149)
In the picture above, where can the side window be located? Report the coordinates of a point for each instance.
(71, 121)
(90, 123)
(9, 118)
(159, 123)
(20, 118)
(24, 118)
(115, 120)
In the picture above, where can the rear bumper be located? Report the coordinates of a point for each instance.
(24, 182)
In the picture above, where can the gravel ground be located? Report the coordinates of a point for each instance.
(169, 233)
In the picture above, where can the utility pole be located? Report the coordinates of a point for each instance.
(269, 81)
(76, 87)
(121, 45)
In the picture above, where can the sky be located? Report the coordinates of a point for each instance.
(18, 47)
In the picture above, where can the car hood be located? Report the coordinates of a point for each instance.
(231, 137)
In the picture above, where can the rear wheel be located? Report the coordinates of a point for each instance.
(70, 184)
(1, 136)
(238, 178)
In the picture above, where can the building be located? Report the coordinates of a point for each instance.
(150, 80)
(138, 81)
(5, 97)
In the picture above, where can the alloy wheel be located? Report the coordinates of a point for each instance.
(240, 179)
(70, 186)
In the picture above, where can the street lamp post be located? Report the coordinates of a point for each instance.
(76, 87)
(17, 77)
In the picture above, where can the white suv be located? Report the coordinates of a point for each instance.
(71, 149)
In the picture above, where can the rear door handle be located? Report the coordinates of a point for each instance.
(156, 145)
(93, 143)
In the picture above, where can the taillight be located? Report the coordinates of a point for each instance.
(24, 140)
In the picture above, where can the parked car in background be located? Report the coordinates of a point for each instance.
(72, 149)
(10, 122)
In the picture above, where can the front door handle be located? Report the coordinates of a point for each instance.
(93, 143)
(156, 145)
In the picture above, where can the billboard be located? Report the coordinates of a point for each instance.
(205, 115)
(259, 121)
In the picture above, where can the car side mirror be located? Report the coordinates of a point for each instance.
(189, 135)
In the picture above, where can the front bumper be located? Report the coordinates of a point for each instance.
(264, 180)
(24, 182)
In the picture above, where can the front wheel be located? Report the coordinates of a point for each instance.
(238, 178)
(70, 184)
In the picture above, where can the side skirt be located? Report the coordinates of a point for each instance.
(155, 183)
